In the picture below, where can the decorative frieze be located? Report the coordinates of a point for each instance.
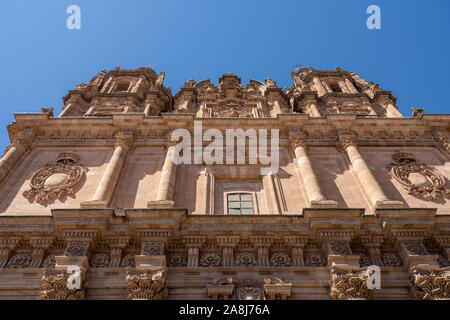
(209, 260)
(245, 259)
(276, 289)
(19, 260)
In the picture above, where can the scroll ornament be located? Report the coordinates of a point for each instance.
(419, 179)
(56, 181)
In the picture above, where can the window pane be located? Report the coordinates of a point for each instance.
(247, 204)
(234, 204)
(234, 211)
(246, 197)
(233, 197)
(247, 211)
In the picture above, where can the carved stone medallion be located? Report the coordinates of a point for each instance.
(56, 181)
(280, 260)
(419, 179)
(315, 259)
(245, 260)
(249, 290)
(177, 260)
(211, 260)
(100, 260)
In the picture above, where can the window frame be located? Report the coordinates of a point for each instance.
(236, 192)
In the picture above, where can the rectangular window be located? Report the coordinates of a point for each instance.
(240, 203)
(123, 87)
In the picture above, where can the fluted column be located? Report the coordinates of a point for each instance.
(21, 144)
(109, 179)
(316, 198)
(347, 143)
(313, 109)
(164, 197)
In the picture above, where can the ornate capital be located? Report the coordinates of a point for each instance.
(430, 284)
(346, 140)
(146, 284)
(349, 284)
(125, 139)
(54, 287)
(297, 139)
(442, 139)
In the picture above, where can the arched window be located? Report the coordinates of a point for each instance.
(240, 203)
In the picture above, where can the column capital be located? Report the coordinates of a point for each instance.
(124, 138)
(297, 139)
(346, 140)
(296, 241)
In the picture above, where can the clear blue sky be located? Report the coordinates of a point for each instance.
(41, 59)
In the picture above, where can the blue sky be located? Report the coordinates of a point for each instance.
(41, 59)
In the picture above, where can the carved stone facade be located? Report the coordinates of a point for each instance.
(95, 188)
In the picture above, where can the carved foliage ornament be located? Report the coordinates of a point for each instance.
(419, 179)
(146, 285)
(346, 285)
(100, 260)
(20, 260)
(54, 287)
(56, 181)
(211, 260)
(177, 260)
(316, 259)
(431, 284)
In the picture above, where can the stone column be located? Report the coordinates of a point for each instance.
(313, 109)
(21, 144)
(204, 202)
(297, 244)
(109, 179)
(66, 110)
(227, 243)
(164, 197)
(273, 201)
(316, 198)
(319, 86)
(347, 143)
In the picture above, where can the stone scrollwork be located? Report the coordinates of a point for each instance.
(245, 260)
(349, 285)
(315, 259)
(56, 181)
(431, 284)
(54, 287)
(49, 261)
(340, 248)
(419, 179)
(153, 248)
(146, 284)
(20, 260)
(128, 261)
(177, 260)
(391, 259)
(280, 260)
(211, 260)
(100, 260)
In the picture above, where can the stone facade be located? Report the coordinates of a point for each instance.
(95, 189)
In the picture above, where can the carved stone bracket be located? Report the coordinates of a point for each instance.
(146, 284)
(276, 289)
(222, 289)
